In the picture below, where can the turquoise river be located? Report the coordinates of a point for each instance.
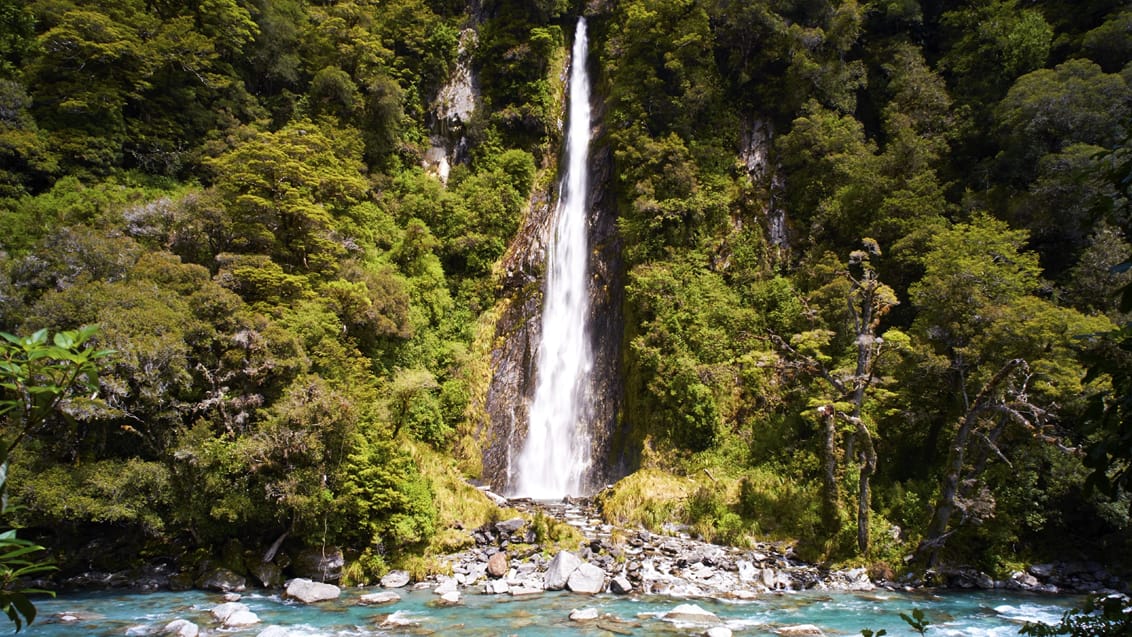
(987, 613)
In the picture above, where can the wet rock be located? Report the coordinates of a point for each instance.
(181, 628)
(560, 569)
(310, 592)
(691, 613)
(800, 630)
(583, 615)
(377, 599)
(395, 579)
(234, 615)
(718, 631)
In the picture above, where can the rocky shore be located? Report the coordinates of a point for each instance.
(508, 559)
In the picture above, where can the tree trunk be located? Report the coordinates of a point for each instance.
(864, 495)
(831, 494)
(949, 487)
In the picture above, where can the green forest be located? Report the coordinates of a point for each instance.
(897, 342)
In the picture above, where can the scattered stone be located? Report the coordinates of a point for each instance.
(497, 565)
(309, 592)
(560, 569)
(692, 614)
(395, 579)
(583, 615)
(586, 579)
(377, 599)
(800, 630)
(181, 628)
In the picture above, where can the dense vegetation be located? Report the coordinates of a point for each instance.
(232, 191)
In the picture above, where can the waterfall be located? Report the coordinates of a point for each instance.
(556, 455)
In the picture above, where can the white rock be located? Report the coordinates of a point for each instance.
(718, 631)
(309, 592)
(398, 619)
(583, 615)
(395, 579)
(561, 567)
(586, 579)
(800, 630)
(181, 628)
(241, 618)
(450, 598)
(227, 609)
(692, 614)
(384, 597)
(274, 631)
(498, 587)
(448, 585)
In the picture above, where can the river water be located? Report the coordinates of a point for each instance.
(973, 614)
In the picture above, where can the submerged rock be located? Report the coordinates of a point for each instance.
(376, 599)
(692, 614)
(583, 615)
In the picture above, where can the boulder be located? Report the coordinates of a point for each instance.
(319, 564)
(445, 586)
(497, 587)
(223, 611)
(221, 579)
(583, 615)
(510, 526)
(718, 631)
(376, 599)
(395, 579)
(497, 565)
(268, 574)
(181, 628)
(241, 618)
(621, 585)
(586, 579)
(309, 592)
(691, 613)
(451, 598)
(559, 570)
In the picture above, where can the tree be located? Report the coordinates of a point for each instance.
(868, 301)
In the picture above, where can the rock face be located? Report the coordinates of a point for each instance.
(310, 592)
(320, 564)
(518, 331)
(221, 579)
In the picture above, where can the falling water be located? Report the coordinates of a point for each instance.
(556, 454)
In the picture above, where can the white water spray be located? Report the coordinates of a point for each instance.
(556, 455)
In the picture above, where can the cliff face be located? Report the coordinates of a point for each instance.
(518, 329)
